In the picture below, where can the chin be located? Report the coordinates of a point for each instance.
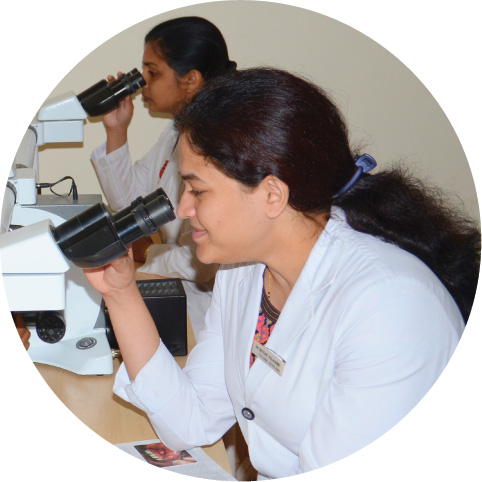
(204, 256)
(210, 257)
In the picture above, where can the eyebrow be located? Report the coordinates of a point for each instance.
(191, 177)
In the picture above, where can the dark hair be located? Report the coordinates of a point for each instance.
(257, 122)
(192, 43)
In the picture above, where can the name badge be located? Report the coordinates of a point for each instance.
(273, 360)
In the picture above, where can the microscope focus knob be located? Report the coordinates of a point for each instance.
(51, 327)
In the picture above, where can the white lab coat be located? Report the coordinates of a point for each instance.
(123, 182)
(365, 332)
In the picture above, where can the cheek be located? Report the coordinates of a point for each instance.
(210, 217)
(218, 220)
(157, 90)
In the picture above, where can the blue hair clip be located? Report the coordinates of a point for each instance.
(364, 163)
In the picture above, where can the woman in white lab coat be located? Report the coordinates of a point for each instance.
(180, 55)
(341, 296)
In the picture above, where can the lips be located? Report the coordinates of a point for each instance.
(198, 233)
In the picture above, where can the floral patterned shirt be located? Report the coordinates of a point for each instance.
(267, 318)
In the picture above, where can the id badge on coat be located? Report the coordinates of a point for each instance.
(272, 359)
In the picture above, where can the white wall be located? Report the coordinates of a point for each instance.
(388, 109)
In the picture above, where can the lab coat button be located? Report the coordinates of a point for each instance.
(247, 413)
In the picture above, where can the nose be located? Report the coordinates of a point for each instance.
(186, 208)
(144, 76)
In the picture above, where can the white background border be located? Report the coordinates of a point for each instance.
(440, 42)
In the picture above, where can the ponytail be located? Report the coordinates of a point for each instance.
(398, 208)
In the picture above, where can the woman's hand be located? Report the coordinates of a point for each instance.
(114, 279)
(119, 118)
(117, 121)
(134, 328)
(22, 329)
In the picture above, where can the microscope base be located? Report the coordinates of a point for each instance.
(86, 353)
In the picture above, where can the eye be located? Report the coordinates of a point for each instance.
(196, 193)
(188, 188)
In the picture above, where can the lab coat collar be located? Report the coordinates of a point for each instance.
(315, 278)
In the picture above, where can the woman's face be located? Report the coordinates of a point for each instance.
(165, 91)
(228, 222)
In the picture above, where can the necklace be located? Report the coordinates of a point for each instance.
(269, 284)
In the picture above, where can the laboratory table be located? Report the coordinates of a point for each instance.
(91, 399)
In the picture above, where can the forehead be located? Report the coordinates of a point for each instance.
(191, 164)
(152, 55)
(185, 149)
(196, 168)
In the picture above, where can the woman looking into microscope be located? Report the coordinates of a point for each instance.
(342, 294)
(180, 55)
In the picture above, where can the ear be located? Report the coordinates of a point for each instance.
(276, 196)
(192, 81)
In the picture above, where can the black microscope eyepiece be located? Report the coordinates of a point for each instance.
(96, 237)
(104, 96)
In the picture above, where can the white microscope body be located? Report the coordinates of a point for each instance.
(36, 274)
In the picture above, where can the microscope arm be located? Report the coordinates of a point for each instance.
(33, 268)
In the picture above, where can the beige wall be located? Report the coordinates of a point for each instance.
(388, 109)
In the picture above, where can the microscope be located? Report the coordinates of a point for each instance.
(47, 240)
